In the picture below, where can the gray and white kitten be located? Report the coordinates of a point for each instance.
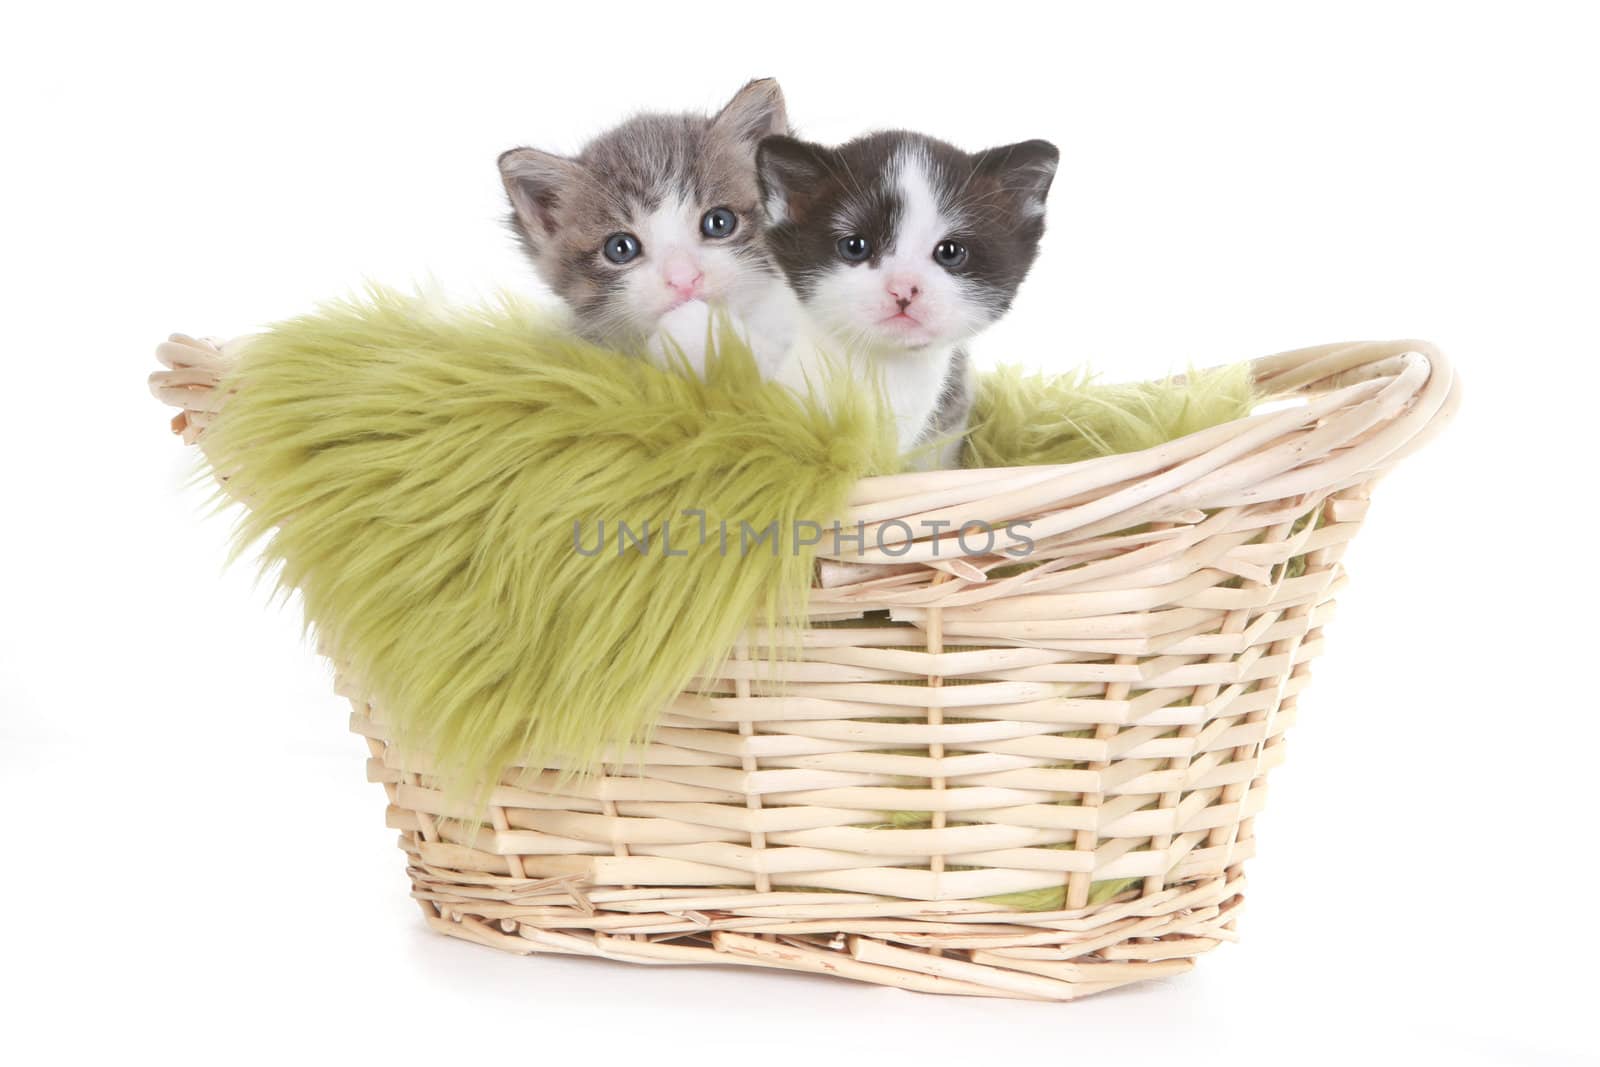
(652, 220)
(900, 249)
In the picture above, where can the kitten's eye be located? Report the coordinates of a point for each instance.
(718, 222)
(621, 247)
(949, 253)
(855, 248)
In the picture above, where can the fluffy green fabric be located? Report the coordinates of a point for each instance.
(1022, 418)
(419, 475)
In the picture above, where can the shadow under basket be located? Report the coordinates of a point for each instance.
(981, 778)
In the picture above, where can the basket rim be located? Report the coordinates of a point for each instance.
(1367, 404)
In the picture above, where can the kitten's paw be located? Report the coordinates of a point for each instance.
(683, 335)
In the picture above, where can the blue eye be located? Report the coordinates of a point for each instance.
(949, 254)
(621, 247)
(718, 222)
(854, 248)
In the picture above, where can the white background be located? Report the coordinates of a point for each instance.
(193, 868)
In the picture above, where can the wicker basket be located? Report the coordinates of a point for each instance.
(1110, 714)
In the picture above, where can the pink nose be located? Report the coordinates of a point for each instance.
(904, 291)
(685, 280)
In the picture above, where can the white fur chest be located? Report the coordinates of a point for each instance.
(911, 380)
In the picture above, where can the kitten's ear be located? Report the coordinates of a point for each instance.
(536, 181)
(791, 174)
(756, 111)
(1025, 170)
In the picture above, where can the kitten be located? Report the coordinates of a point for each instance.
(900, 249)
(651, 220)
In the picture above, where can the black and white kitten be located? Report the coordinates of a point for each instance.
(652, 220)
(900, 249)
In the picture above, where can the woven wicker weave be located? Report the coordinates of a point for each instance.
(1109, 713)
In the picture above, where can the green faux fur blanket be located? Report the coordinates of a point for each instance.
(448, 490)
